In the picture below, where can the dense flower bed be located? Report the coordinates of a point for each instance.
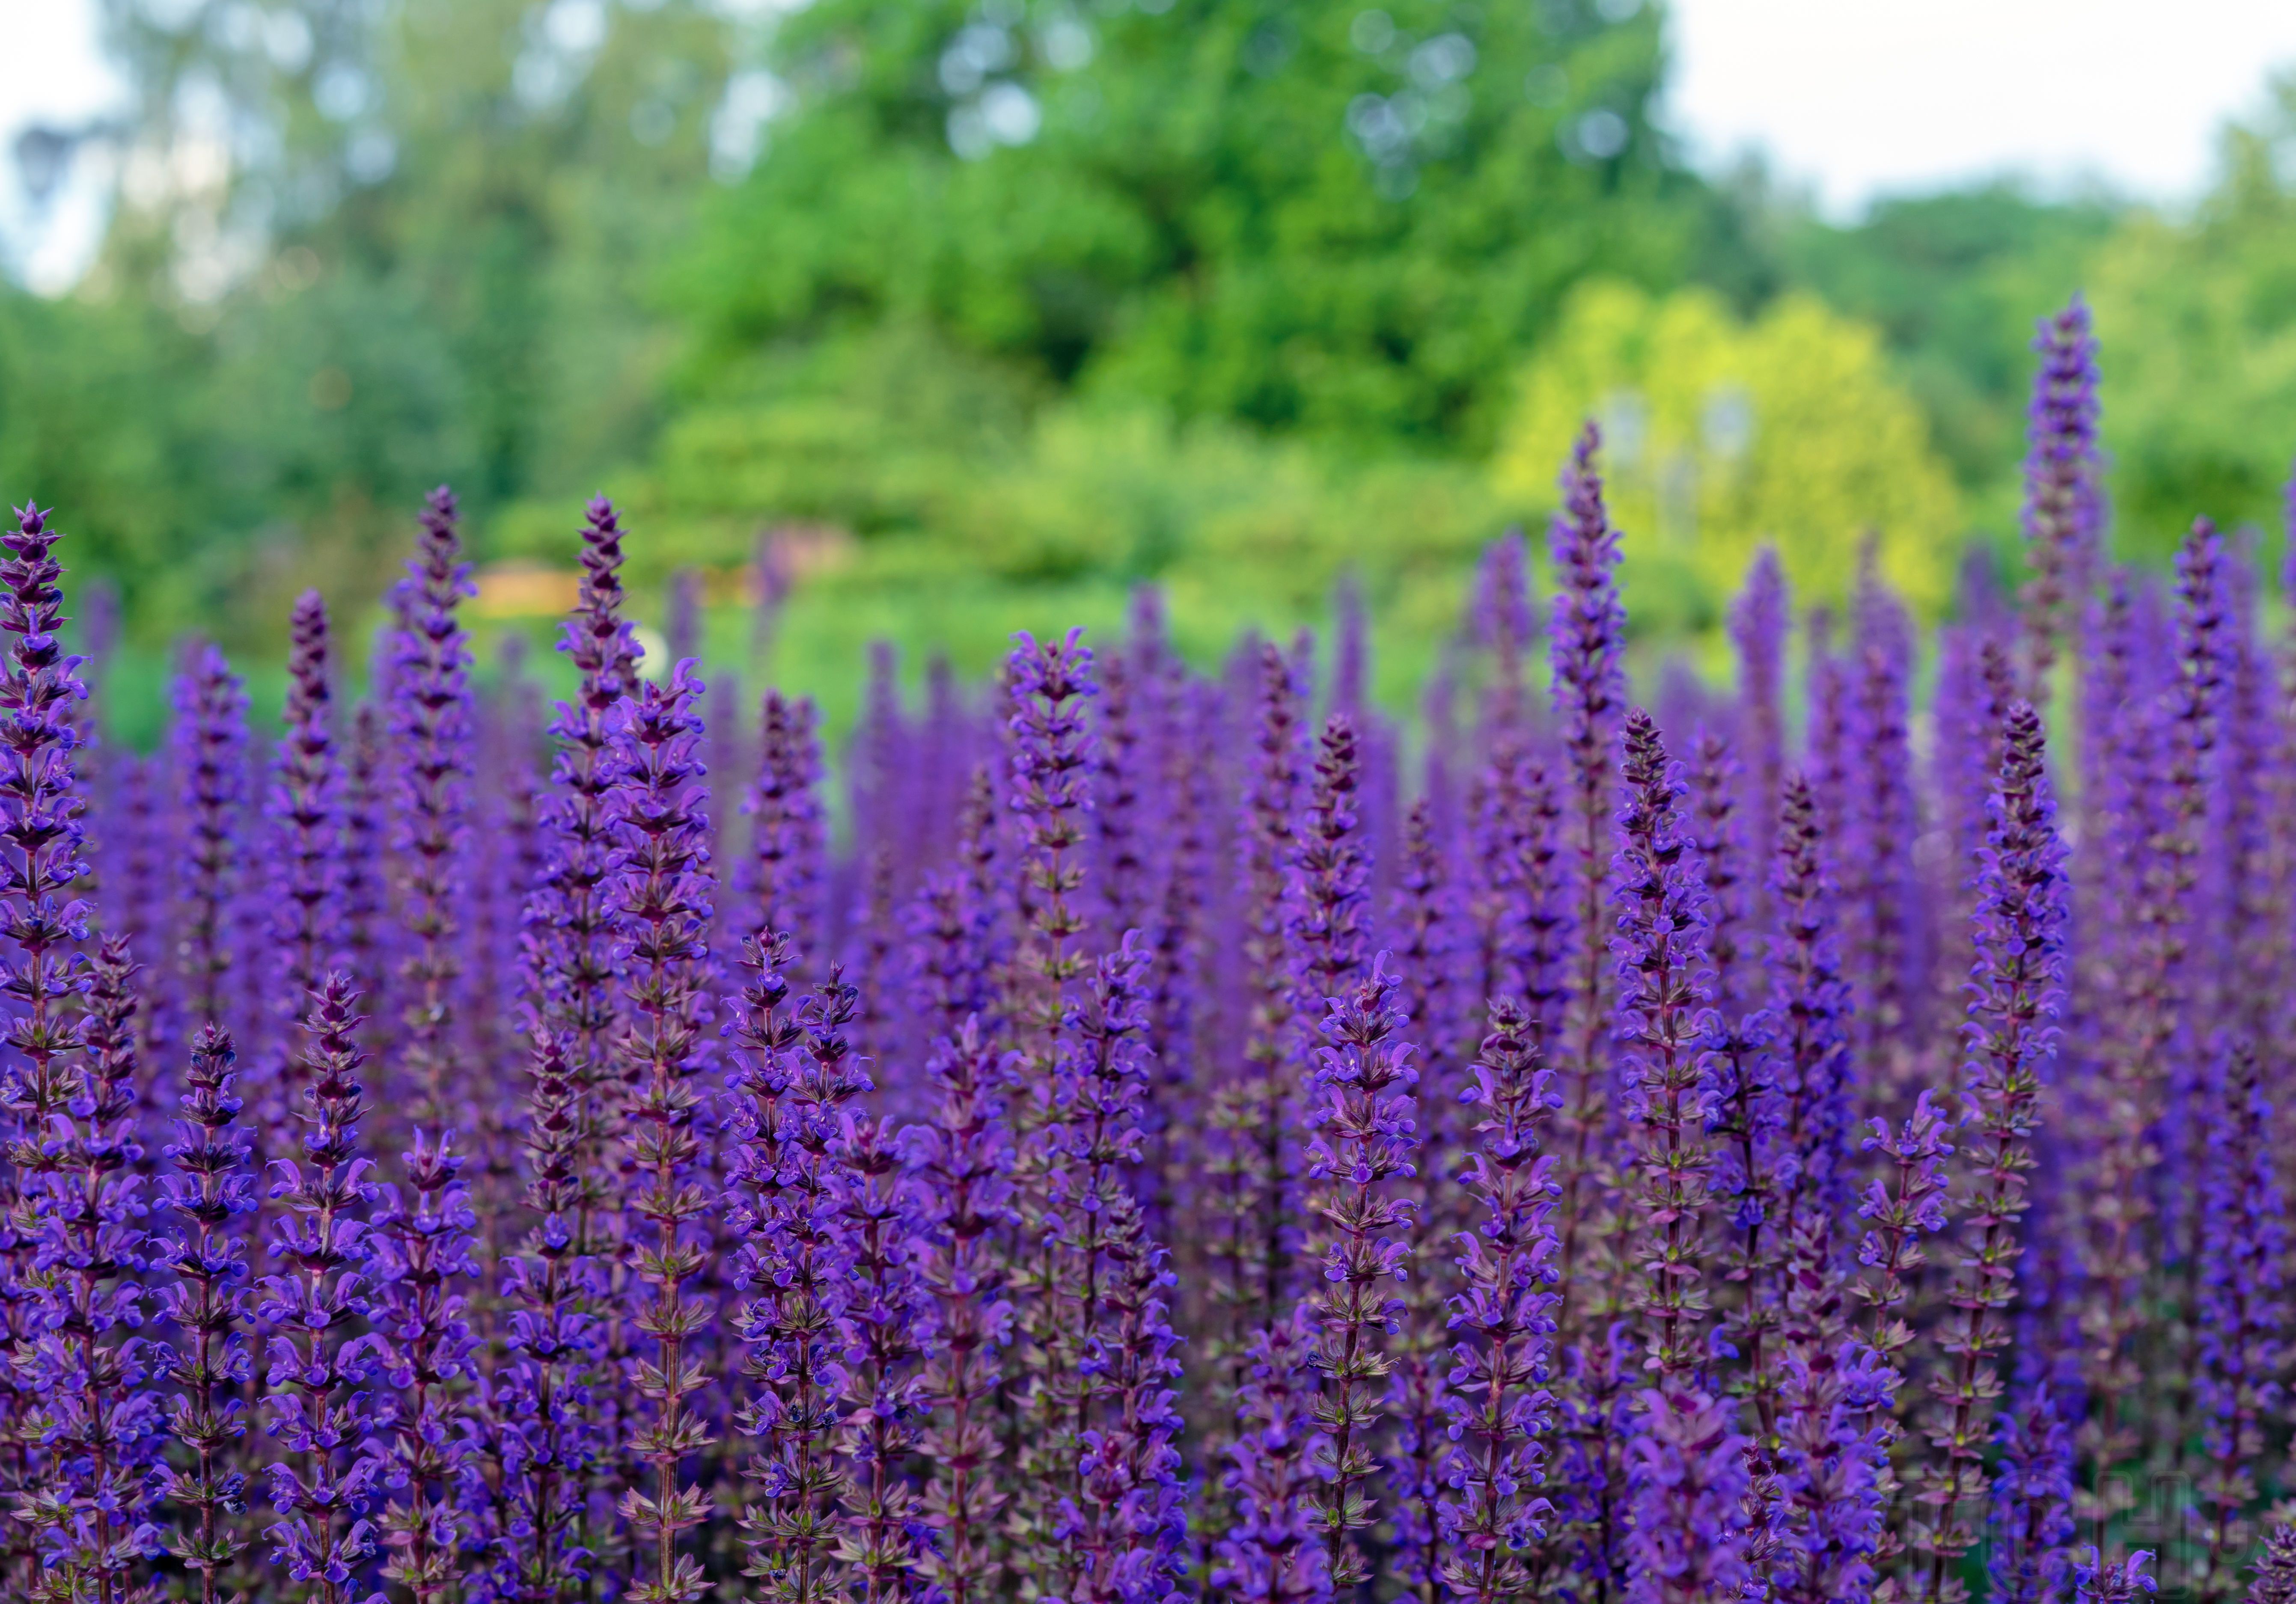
(1193, 1139)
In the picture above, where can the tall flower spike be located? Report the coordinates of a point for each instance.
(306, 808)
(965, 1161)
(786, 842)
(422, 1234)
(1588, 686)
(1504, 1323)
(43, 925)
(1758, 620)
(1666, 1025)
(2032, 1501)
(1686, 1475)
(2243, 1306)
(210, 766)
(1504, 626)
(1361, 1151)
(207, 1187)
(431, 713)
(1271, 1555)
(573, 919)
(2064, 505)
(2016, 990)
(665, 894)
(321, 1409)
(97, 1418)
(798, 1085)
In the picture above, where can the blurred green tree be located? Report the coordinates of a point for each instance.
(1344, 220)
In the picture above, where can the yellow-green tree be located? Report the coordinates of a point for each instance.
(1724, 434)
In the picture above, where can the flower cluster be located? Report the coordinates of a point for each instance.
(1149, 1135)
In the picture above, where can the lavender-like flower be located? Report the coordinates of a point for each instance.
(1666, 1025)
(1504, 1323)
(210, 766)
(429, 712)
(1271, 1555)
(2243, 1305)
(885, 1324)
(538, 1396)
(321, 1409)
(574, 917)
(209, 1187)
(1901, 1206)
(42, 972)
(1759, 621)
(1362, 1147)
(305, 803)
(1831, 1464)
(2063, 512)
(1584, 645)
(964, 1160)
(786, 841)
(95, 1417)
(798, 1259)
(2016, 990)
(2276, 1566)
(664, 897)
(1686, 1476)
(2032, 1501)
(2096, 1582)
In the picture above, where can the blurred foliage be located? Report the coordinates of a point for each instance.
(1721, 435)
(1006, 305)
(2198, 326)
(1296, 215)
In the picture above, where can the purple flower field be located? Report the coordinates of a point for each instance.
(1177, 1136)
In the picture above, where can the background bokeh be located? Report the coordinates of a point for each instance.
(976, 314)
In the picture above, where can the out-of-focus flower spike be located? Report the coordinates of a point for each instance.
(2027, 1559)
(787, 841)
(2243, 1306)
(667, 883)
(430, 711)
(1502, 1318)
(2016, 992)
(1759, 618)
(2064, 511)
(1587, 685)
(208, 1187)
(321, 1410)
(210, 763)
(2118, 1582)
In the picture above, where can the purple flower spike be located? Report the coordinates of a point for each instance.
(1271, 1556)
(1504, 1322)
(2243, 1305)
(1363, 1144)
(2016, 991)
(2094, 1582)
(574, 918)
(305, 803)
(1759, 621)
(208, 1187)
(1686, 1478)
(1832, 1463)
(664, 897)
(2063, 514)
(964, 1159)
(1666, 1026)
(1585, 644)
(787, 840)
(2032, 1501)
(210, 766)
(430, 726)
(422, 1263)
(321, 1410)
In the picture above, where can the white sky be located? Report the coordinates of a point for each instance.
(1854, 97)
(1864, 97)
